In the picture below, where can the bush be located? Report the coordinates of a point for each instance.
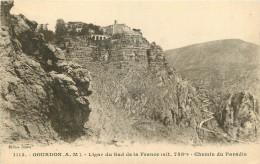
(48, 34)
(60, 31)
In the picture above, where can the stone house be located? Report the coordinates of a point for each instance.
(78, 29)
(74, 25)
(119, 29)
(91, 31)
(99, 37)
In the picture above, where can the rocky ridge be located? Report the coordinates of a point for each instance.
(43, 96)
(238, 114)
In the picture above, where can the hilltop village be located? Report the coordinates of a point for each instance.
(108, 31)
(86, 43)
(97, 32)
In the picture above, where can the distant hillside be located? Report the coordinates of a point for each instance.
(224, 65)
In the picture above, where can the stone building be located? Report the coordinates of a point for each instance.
(78, 29)
(91, 31)
(74, 25)
(99, 37)
(119, 29)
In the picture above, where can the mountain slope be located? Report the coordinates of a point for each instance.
(225, 65)
(228, 72)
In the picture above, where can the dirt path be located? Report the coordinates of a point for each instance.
(210, 117)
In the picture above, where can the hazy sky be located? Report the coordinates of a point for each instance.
(170, 24)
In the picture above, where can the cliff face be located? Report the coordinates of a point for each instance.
(118, 50)
(136, 96)
(239, 115)
(43, 96)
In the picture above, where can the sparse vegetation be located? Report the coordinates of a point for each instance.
(48, 34)
(60, 30)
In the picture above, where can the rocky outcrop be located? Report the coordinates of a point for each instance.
(155, 56)
(43, 96)
(239, 115)
(5, 14)
(117, 50)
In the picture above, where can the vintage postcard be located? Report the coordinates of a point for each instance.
(130, 82)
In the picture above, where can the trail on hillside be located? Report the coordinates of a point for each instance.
(210, 117)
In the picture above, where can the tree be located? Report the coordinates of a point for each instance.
(60, 30)
(41, 27)
(73, 32)
(48, 34)
(85, 30)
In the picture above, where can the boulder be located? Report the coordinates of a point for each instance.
(20, 26)
(239, 113)
(51, 48)
(58, 54)
(4, 33)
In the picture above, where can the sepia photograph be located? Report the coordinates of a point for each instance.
(130, 82)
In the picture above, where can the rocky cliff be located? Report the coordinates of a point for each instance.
(239, 115)
(43, 96)
(136, 95)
